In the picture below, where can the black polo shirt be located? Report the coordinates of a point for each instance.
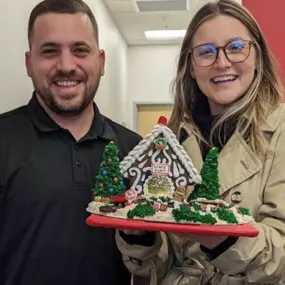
(46, 179)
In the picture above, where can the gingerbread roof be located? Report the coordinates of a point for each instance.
(145, 143)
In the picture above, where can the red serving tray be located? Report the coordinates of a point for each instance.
(245, 230)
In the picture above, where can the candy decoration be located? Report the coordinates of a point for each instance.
(162, 121)
(130, 195)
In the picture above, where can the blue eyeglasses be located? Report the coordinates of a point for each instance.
(235, 51)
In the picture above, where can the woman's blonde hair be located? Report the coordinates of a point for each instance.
(249, 111)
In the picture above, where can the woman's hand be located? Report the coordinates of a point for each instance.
(134, 232)
(207, 241)
(144, 238)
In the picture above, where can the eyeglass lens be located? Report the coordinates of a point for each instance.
(236, 51)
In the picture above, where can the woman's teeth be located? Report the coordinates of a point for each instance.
(221, 79)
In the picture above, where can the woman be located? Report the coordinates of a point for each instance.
(227, 94)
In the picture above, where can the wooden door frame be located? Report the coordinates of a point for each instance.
(137, 104)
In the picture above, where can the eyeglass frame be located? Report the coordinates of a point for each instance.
(223, 48)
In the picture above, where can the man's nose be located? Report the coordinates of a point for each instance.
(222, 61)
(66, 62)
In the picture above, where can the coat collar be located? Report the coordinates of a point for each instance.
(273, 119)
(237, 162)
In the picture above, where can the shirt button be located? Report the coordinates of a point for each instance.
(78, 163)
(76, 147)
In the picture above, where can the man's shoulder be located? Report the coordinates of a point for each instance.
(13, 116)
(13, 126)
(121, 131)
(126, 138)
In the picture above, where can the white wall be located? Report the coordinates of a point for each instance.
(134, 74)
(112, 93)
(16, 87)
(151, 70)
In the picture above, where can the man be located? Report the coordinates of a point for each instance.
(50, 151)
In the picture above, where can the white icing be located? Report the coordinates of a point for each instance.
(181, 170)
(148, 168)
(165, 152)
(166, 216)
(173, 156)
(142, 157)
(134, 171)
(180, 181)
(175, 170)
(209, 208)
(176, 206)
(144, 144)
(153, 158)
(141, 165)
(234, 210)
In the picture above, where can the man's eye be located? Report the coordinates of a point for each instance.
(49, 51)
(81, 51)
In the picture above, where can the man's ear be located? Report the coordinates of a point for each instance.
(28, 63)
(102, 56)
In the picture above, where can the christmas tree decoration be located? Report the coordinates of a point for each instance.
(226, 215)
(210, 186)
(184, 213)
(141, 210)
(109, 181)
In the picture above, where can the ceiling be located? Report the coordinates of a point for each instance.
(133, 17)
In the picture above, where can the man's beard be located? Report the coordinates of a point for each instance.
(65, 109)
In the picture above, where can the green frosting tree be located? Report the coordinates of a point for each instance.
(141, 210)
(184, 213)
(109, 180)
(210, 186)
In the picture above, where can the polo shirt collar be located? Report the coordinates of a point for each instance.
(40, 118)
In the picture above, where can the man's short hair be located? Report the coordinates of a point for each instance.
(61, 7)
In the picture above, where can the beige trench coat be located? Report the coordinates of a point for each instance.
(259, 182)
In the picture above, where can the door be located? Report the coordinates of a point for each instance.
(148, 114)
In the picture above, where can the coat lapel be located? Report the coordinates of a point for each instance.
(237, 162)
(192, 148)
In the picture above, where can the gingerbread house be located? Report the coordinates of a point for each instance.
(158, 165)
